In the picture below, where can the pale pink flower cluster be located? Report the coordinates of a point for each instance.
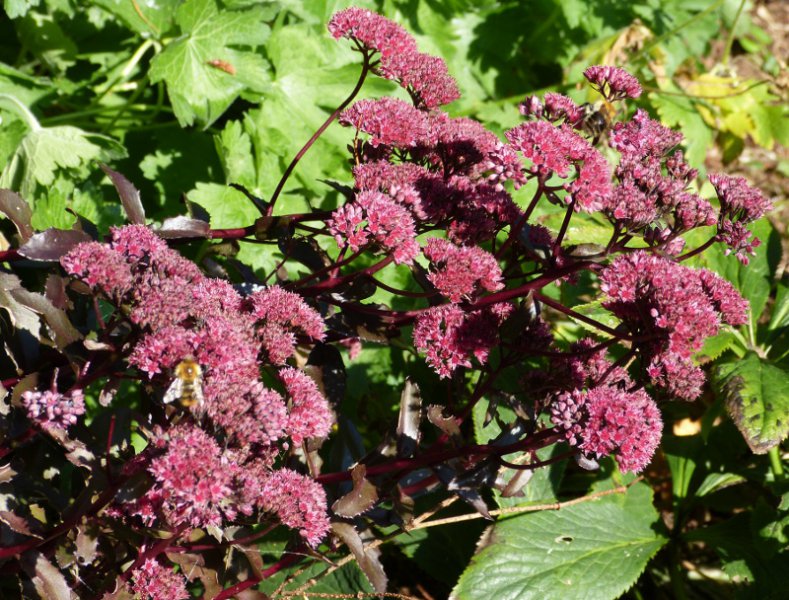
(740, 204)
(51, 409)
(154, 581)
(613, 83)
(560, 151)
(608, 420)
(450, 336)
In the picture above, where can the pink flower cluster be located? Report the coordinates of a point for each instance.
(562, 152)
(450, 336)
(198, 484)
(388, 121)
(424, 76)
(670, 310)
(608, 420)
(180, 313)
(613, 83)
(378, 218)
(653, 184)
(153, 581)
(51, 409)
(740, 204)
(459, 270)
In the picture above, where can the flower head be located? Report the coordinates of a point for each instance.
(459, 270)
(153, 581)
(372, 31)
(612, 82)
(560, 151)
(609, 420)
(376, 217)
(51, 409)
(310, 415)
(388, 121)
(450, 336)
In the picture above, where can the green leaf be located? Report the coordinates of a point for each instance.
(227, 206)
(17, 8)
(45, 151)
(780, 316)
(754, 391)
(143, 17)
(594, 549)
(348, 579)
(199, 91)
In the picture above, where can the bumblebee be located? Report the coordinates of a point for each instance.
(597, 119)
(187, 386)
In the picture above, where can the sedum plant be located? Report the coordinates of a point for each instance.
(182, 399)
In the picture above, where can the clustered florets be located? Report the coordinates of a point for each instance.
(608, 420)
(182, 313)
(51, 409)
(153, 581)
(425, 77)
(670, 310)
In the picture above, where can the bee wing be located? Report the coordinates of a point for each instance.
(174, 392)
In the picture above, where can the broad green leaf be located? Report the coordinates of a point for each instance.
(17, 8)
(202, 68)
(754, 391)
(143, 16)
(348, 580)
(680, 112)
(594, 549)
(595, 310)
(45, 151)
(227, 206)
(716, 345)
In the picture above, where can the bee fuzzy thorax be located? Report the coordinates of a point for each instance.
(186, 387)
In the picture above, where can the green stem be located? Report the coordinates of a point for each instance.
(775, 463)
(675, 573)
(28, 117)
(730, 37)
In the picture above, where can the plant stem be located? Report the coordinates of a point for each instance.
(28, 117)
(775, 463)
(317, 134)
(730, 38)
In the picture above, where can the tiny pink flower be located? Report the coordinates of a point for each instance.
(153, 581)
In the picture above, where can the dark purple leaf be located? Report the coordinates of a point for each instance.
(193, 567)
(183, 227)
(15, 208)
(21, 524)
(448, 425)
(129, 195)
(49, 582)
(369, 561)
(306, 251)
(51, 244)
(409, 419)
(55, 291)
(63, 332)
(325, 366)
(361, 498)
